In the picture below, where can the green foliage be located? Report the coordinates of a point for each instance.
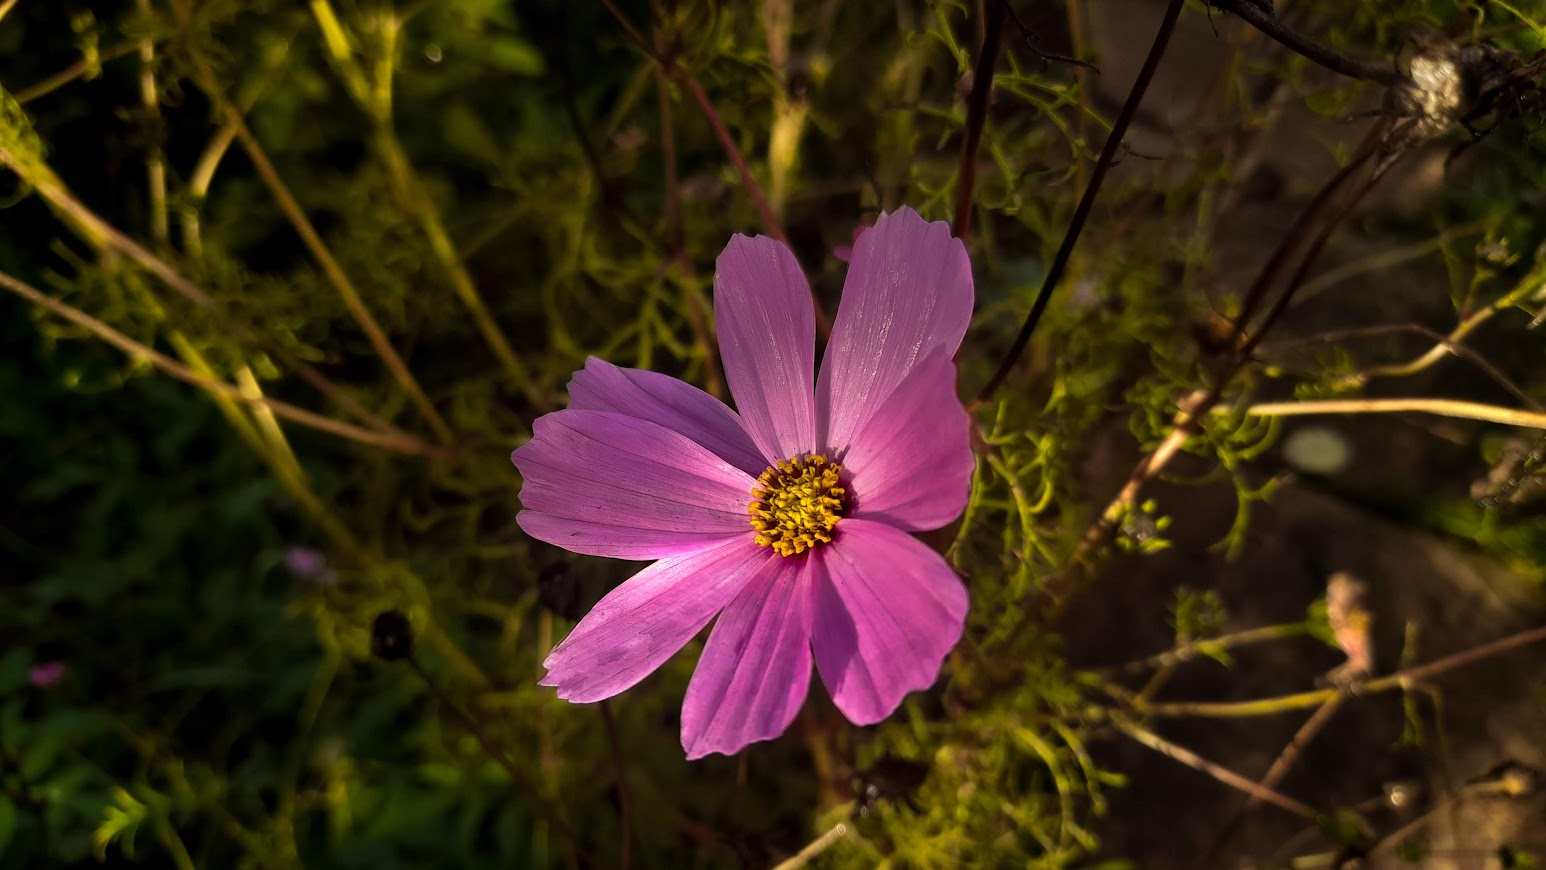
(493, 180)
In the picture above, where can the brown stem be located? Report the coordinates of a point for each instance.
(1297, 236)
(1275, 773)
(1217, 771)
(1326, 206)
(1103, 164)
(1312, 252)
(727, 142)
(1262, 19)
(977, 114)
(1187, 652)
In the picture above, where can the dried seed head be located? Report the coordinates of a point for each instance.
(1432, 99)
(1448, 86)
(391, 636)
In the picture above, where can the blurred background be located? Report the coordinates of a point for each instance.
(287, 280)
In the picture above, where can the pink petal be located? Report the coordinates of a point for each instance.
(908, 293)
(676, 405)
(888, 611)
(910, 463)
(756, 666)
(646, 620)
(767, 339)
(607, 485)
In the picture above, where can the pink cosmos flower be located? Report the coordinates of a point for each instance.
(789, 520)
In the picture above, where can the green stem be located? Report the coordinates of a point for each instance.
(1303, 700)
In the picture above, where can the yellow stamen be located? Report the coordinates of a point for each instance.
(796, 505)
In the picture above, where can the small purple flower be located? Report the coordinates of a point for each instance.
(789, 520)
(308, 564)
(46, 674)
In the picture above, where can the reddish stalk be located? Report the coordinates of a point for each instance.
(977, 115)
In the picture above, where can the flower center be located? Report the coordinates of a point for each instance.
(796, 505)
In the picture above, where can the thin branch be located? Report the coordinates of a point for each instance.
(313, 240)
(1276, 771)
(413, 194)
(627, 25)
(203, 174)
(977, 115)
(100, 234)
(1103, 164)
(1296, 746)
(1195, 407)
(1451, 343)
(1301, 700)
(815, 848)
(1312, 253)
(1439, 407)
(1442, 342)
(73, 72)
(1187, 652)
(727, 142)
(1297, 235)
(1218, 772)
(1258, 14)
(771, 224)
(375, 98)
(155, 161)
(135, 350)
(700, 321)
